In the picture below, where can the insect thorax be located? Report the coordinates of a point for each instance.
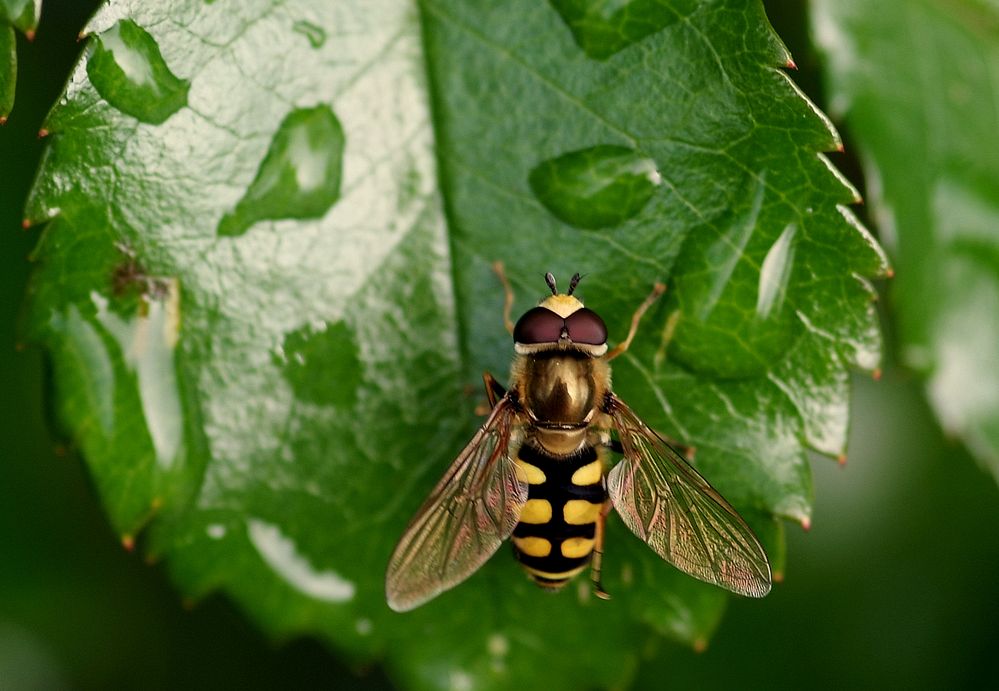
(561, 387)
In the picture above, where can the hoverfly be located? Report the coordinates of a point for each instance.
(536, 472)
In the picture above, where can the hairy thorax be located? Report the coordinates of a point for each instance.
(561, 389)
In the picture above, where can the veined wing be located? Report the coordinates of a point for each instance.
(678, 514)
(469, 514)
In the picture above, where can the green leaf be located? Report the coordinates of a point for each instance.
(268, 313)
(8, 70)
(22, 15)
(920, 102)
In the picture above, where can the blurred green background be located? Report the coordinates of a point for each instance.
(897, 583)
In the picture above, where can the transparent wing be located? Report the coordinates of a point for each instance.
(469, 514)
(678, 514)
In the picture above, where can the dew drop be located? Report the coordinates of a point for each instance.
(775, 273)
(300, 175)
(598, 187)
(147, 342)
(728, 297)
(603, 28)
(321, 364)
(127, 69)
(86, 347)
(283, 556)
(315, 34)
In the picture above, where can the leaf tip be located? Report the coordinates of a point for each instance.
(791, 64)
(806, 523)
(30, 35)
(128, 542)
(700, 645)
(42, 133)
(3, 120)
(25, 224)
(876, 374)
(841, 459)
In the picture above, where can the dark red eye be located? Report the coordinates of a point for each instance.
(586, 326)
(538, 325)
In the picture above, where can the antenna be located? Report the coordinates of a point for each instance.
(550, 280)
(576, 278)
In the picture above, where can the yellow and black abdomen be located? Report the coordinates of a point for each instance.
(555, 537)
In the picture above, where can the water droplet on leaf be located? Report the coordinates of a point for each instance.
(322, 365)
(300, 175)
(127, 69)
(731, 315)
(599, 187)
(147, 342)
(83, 347)
(775, 273)
(602, 28)
(283, 556)
(315, 34)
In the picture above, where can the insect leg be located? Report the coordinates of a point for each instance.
(508, 295)
(658, 290)
(494, 390)
(598, 554)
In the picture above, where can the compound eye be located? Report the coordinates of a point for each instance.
(538, 325)
(586, 326)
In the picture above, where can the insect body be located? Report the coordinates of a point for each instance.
(555, 537)
(536, 471)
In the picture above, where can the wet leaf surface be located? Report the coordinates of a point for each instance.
(927, 127)
(263, 409)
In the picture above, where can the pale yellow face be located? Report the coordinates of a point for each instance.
(562, 305)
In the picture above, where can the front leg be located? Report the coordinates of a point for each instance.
(494, 390)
